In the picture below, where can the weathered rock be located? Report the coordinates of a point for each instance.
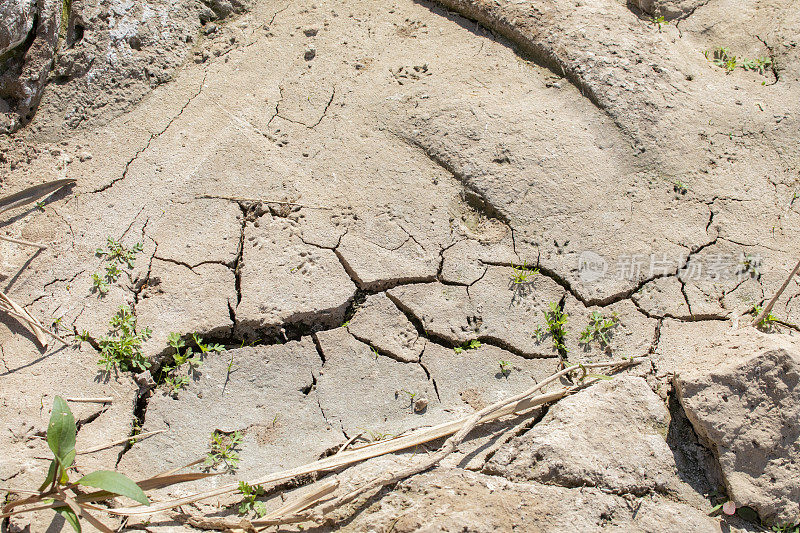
(379, 323)
(364, 392)
(265, 392)
(747, 410)
(23, 77)
(458, 500)
(16, 21)
(669, 9)
(611, 436)
(287, 282)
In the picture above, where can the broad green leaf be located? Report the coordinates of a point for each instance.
(70, 516)
(51, 474)
(61, 432)
(116, 483)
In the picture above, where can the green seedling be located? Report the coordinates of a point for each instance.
(474, 344)
(658, 21)
(224, 450)
(56, 322)
(538, 334)
(249, 502)
(505, 367)
(376, 436)
(723, 58)
(523, 273)
(599, 329)
(39, 205)
(374, 352)
(117, 253)
(679, 187)
(123, 349)
(71, 502)
(556, 320)
(768, 321)
(347, 323)
(99, 284)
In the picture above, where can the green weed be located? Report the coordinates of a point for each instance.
(556, 320)
(115, 254)
(474, 344)
(679, 187)
(723, 58)
(61, 433)
(224, 450)
(599, 329)
(505, 367)
(523, 273)
(658, 21)
(249, 501)
(768, 322)
(185, 355)
(123, 349)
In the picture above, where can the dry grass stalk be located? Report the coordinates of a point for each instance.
(23, 242)
(459, 429)
(768, 308)
(7, 305)
(120, 441)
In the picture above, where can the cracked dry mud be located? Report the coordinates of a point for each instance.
(342, 192)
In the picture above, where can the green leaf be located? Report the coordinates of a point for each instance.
(51, 474)
(70, 516)
(116, 483)
(599, 376)
(61, 432)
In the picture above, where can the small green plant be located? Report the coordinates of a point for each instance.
(345, 324)
(249, 502)
(556, 320)
(123, 349)
(72, 502)
(99, 284)
(679, 187)
(523, 273)
(116, 252)
(224, 450)
(539, 334)
(506, 367)
(768, 321)
(599, 329)
(185, 355)
(39, 205)
(658, 21)
(723, 58)
(474, 344)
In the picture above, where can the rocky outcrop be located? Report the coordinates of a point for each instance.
(748, 412)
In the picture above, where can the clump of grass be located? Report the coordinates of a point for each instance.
(224, 451)
(122, 350)
(599, 329)
(474, 344)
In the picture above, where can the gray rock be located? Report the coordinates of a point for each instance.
(16, 21)
(623, 424)
(669, 9)
(747, 410)
(285, 281)
(458, 500)
(379, 323)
